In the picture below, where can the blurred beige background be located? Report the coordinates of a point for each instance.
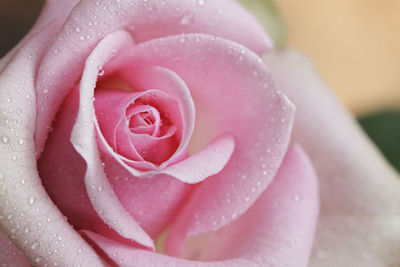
(355, 45)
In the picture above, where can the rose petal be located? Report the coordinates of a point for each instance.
(191, 170)
(235, 101)
(23, 201)
(277, 231)
(113, 111)
(360, 193)
(144, 78)
(205, 163)
(91, 20)
(83, 138)
(10, 255)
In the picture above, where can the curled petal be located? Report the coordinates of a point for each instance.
(83, 138)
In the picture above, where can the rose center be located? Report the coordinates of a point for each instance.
(145, 122)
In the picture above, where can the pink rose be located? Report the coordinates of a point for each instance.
(134, 126)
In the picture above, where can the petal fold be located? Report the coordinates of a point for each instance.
(83, 138)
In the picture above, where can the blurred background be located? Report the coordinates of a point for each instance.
(355, 44)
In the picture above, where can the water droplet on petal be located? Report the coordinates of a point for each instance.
(187, 18)
(5, 139)
(31, 200)
(35, 245)
(201, 2)
(296, 198)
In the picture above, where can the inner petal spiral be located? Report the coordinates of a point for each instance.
(141, 126)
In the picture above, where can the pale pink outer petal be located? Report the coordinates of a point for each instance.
(29, 217)
(10, 255)
(83, 138)
(277, 231)
(360, 193)
(235, 95)
(91, 20)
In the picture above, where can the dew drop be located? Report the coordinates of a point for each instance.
(26, 230)
(264, 166)
(296, 198)
(247, 199)
(79, 250)
(21, 141)
(201, 2)
(5, 139)
(100, 71)
(31, 200)
(234, 215)
(100, 188)
(14, 157)
(187, 18)
(35, 245)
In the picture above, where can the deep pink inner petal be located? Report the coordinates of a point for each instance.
(141, 126)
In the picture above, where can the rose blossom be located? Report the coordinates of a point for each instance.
(139, 131)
